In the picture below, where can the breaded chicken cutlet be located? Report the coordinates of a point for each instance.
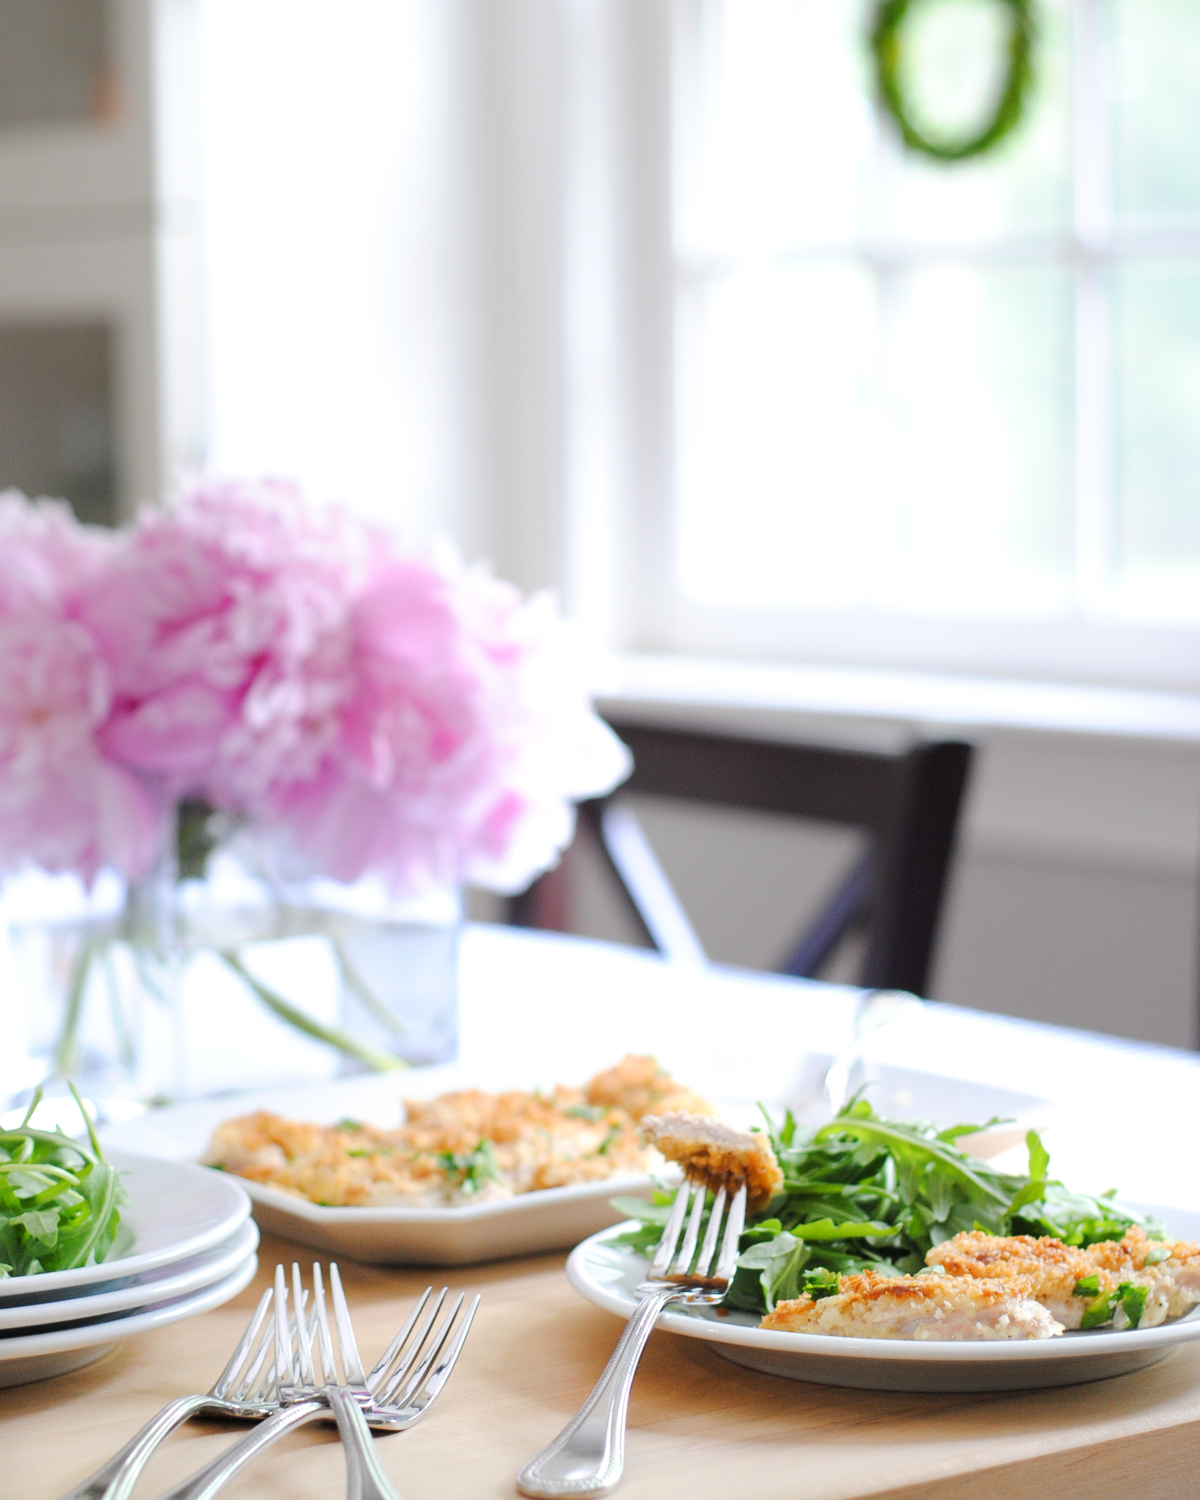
(716, 1155)
(1008, 1286)
(1168, 1270)
(934, 1308)
(533, 1141)
(1049, 1268)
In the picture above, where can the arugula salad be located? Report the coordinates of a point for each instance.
(60, 1201)
(866, 1193)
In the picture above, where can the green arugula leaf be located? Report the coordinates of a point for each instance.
(471, 1170)
(640, 1208)
(59, 1200)
(1039, 1157)
(826, 1229)
(39, 1224)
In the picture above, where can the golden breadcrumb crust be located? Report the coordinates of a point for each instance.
(717, 1156)
(538, 1141)
(872, 1305)
(1130, 1253)
(1171, 1279)
(640, 1087)
(1052, 1268)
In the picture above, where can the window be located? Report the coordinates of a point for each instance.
(940, 415)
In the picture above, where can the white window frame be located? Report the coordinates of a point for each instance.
(620, 525)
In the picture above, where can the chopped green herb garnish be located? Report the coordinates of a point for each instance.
(1133, 1301)
(613, 1133)
(592, 1112)
(1087, 1286)
(1098, 1311)
(470, 1171)
(819, 1283)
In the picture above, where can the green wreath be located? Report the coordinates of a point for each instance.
(886, 46)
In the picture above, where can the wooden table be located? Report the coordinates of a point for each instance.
(700, 1427)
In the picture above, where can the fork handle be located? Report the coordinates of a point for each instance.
(118, 1477)
(365, 1478)
(588, 1455)
(205, 1483)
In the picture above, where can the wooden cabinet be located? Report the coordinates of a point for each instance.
(100, 279)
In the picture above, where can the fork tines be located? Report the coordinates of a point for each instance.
(679, 1262)
(411, 1370)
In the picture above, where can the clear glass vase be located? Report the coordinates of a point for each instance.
(176, 988)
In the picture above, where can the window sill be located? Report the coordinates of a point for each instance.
(1077, 777)
(884, 699)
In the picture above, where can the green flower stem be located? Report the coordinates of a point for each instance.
(373, 1057)
(120, 1030)
(66, 1051)
(355, 982)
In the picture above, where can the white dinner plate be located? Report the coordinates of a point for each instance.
(54, 1351)
(550, 1219)
(607, 1275)
(175, 1280)
(176, 1210)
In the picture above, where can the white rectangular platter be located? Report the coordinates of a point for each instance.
(550, 1219)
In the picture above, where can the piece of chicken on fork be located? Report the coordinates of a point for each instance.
(717, 1155)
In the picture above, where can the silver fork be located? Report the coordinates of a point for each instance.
(406, 1381)
(347, 1395)
(588, 1455)
(246, 1387)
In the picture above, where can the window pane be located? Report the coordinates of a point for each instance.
(979, 441)
(773, 370)
(776, 151)
(1155, 83)
(800, 485)
(1158, 439)
(780, 144)
(1021, 188)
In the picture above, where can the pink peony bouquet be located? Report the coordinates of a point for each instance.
(365, 711)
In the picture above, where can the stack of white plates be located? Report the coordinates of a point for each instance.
(186, 1244)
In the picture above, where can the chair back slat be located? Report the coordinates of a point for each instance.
(907, 804)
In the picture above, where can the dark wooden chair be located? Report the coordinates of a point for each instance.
(907, 804)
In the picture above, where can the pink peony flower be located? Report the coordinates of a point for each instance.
(368, 712)
(223, 623)
(465, 738)
(63, 805)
